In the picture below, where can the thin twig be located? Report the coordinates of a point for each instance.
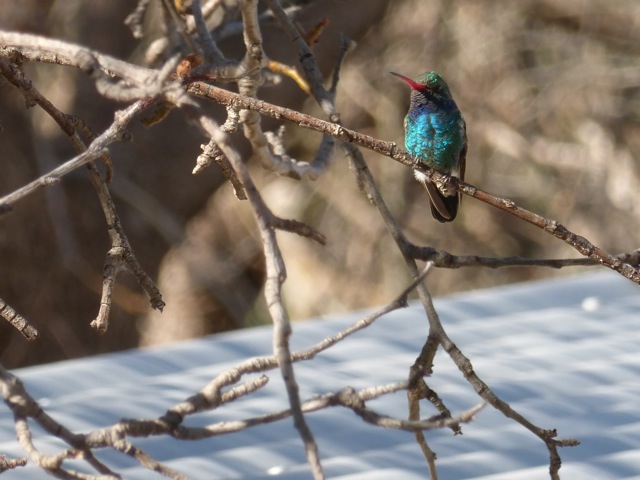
(211, 396)
(21, 324)
(275, 277)
(135, 19)
(212, 53)
(11, 464)
(444, 259)
(121, 254)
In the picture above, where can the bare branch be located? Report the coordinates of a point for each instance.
(49, 50)
(121, 254)
(211, 152)
(265, 145)
(347, 398)
(444, 259)
(276, 275)
(24, 406)
(390, 149)
(18, 321)
(98, 148)
(11, 464)
(134, 19)
(307, 60)
(222, 143)
(211, 51)
(290, 72)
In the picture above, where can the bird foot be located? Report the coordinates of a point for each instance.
(448, 186)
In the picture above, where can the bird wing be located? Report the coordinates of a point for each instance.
(443, 209)
(463, 152)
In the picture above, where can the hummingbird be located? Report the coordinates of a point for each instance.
(436, 134)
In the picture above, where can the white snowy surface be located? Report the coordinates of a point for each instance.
(564, 353)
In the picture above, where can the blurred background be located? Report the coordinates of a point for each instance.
(550, 90)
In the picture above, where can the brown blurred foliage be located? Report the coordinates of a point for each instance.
(550, 91)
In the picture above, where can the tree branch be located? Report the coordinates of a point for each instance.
(391, 150)
(18, 321)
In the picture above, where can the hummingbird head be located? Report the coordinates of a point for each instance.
(427, 87)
